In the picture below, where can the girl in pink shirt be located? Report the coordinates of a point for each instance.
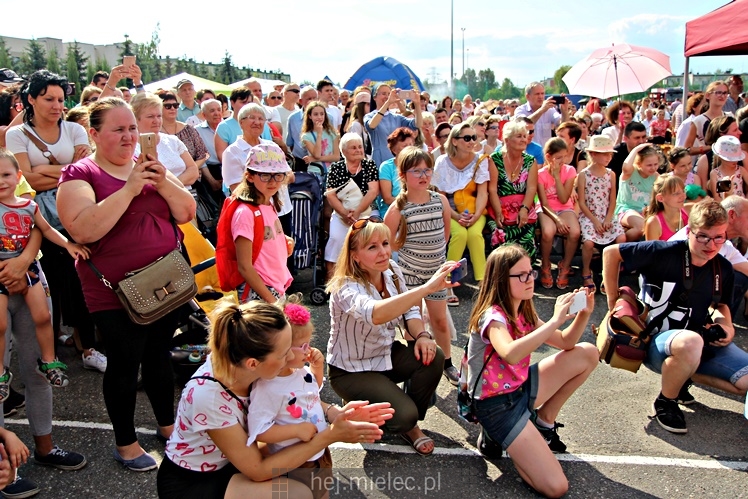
(555, 188)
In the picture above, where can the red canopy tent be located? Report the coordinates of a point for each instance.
(721, 32)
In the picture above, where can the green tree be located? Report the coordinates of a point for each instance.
(102, 64)
(181, 65)
(557, 79)
(508, 90)
(90, 72)
(147, 55)
(73, 75)
(127, 47)
(470, 80)
(226, 72)
(486, 81)
(53, 61)
(33, 58)
(6, 61)
(168, 67)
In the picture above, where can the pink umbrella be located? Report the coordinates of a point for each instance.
(617, 70)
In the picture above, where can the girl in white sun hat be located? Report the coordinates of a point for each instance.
(726, 166)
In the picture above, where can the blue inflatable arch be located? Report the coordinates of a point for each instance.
(385, 70)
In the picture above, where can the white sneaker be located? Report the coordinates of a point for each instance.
(95, 361)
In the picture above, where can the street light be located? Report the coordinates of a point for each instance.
(452, 48)
(463, 51)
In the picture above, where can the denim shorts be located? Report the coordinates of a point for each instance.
(728, 363)
(31, 280)
(504, 417)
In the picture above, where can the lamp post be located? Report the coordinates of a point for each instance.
(452, 48)
(463, 51)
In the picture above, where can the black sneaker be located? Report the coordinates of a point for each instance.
(488, 447)
(550, 434)
(669, 415)
(61, 459)
(685, 398)
(20, 488)
(14, 402)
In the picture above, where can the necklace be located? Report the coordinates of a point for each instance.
(358, 170)
(163, 127)
(514, 174)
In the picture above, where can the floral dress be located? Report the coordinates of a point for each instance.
(511, 194)
(597, 197)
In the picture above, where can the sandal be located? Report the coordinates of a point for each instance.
(546, 278)
(54, 372)
(602, 288)
(588, 282)
(418, 443)
(453, 301)
(562, 281)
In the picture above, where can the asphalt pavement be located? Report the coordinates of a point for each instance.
(614, 448)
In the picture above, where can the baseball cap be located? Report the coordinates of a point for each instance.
(9, 76)
(267, 158)
(183, 82)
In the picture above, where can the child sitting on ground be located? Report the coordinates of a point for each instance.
(286, 409)
(18, 216)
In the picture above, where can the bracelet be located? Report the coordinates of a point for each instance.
(380, 114)
(425, 333)
(140, 87)
(110, 87)
(523, 206)
(328, 410)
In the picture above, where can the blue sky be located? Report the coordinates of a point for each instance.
(523, 41)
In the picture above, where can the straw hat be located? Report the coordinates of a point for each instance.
(600, 143)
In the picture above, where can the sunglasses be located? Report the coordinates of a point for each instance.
(267, 177)
(420, 173)
(171, 105)
(493, 127)
(480, 123)
(363, 222)
(275, 97)
(467, 138)
(305, 348)
(294, 90)
(530, 132)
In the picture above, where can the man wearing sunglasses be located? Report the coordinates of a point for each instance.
(290, 96)
(687, 286)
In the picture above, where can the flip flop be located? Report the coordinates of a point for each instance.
(417, 443)
(453, 301)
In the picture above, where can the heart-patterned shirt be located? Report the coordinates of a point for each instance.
(204, 406)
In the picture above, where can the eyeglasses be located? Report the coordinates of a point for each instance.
(171, 105)
(275, 97)
(267, 177)
(443, 136)
(719, 93)
(530, 132)
(363, 222)
(18, 106)
(467, 138)
(525, 276)
(294, 90)
(303, 348)
(420, 173)
(704, 239)
(493, 127)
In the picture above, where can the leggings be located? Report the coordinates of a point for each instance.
(37, 390)
(472, 237)
(128, 346)
(381, 386)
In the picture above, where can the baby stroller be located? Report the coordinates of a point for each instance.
(306, 198)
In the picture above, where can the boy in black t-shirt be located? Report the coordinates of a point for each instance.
(686, 285)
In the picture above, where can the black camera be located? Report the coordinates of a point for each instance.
(712, 333)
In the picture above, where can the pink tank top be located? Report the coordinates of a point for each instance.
(666, 232)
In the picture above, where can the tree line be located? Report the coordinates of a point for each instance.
(79, 69)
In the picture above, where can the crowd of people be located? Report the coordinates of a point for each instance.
(409, 186)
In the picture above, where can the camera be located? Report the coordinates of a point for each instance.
(712, 333)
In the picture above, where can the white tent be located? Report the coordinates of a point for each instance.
(267, 85)
(199, 83)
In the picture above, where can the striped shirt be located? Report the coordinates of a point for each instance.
(357, 344)
(425, 248)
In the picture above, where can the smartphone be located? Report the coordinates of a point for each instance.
(724, 185)
(148, 145)
(460, 272)
(579, 302)
(405, 94)
(559, 99)
(128, 60)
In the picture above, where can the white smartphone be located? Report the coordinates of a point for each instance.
(579, 302)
